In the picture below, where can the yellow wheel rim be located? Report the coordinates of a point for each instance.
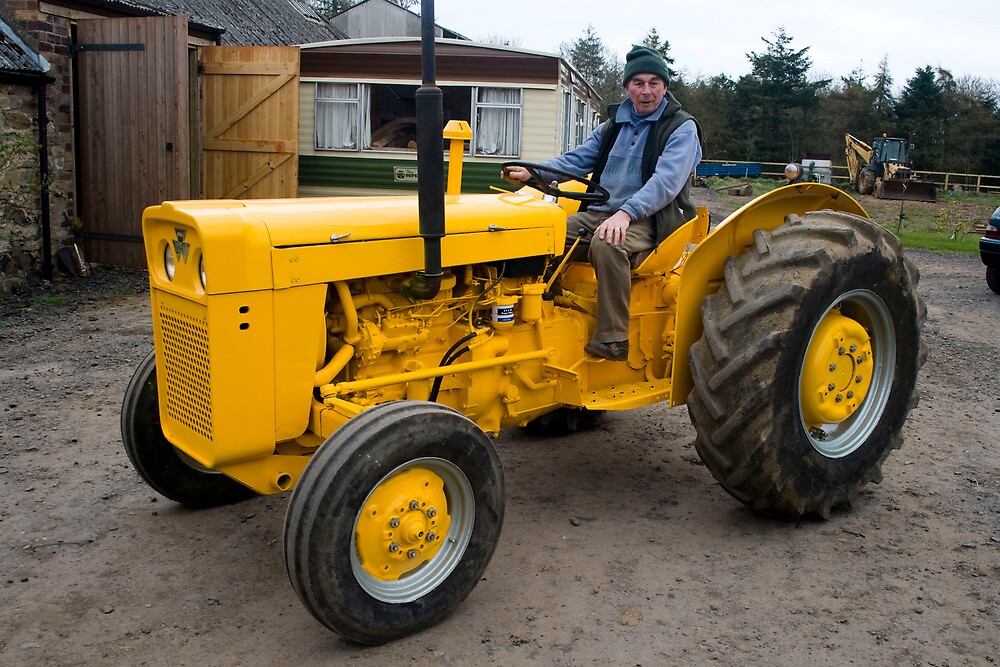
(412, 530)
(836, 374)
(401, 524)
(846, 376)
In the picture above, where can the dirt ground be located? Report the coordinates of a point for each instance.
(618, 546)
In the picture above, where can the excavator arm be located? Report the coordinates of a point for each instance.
(859, 156)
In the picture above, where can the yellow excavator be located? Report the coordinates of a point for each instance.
(883, 170)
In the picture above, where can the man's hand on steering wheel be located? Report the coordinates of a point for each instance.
(531, 174)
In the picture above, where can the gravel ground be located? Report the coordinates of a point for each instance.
(618, 547)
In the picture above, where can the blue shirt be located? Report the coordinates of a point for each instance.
(622, 176)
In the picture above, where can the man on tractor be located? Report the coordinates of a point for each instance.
(644, 157)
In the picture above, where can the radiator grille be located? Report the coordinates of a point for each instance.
(189, 380)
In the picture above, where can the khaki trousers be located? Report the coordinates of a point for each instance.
(613, 268)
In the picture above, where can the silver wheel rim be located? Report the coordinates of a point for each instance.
(838, 440)
(428, 576)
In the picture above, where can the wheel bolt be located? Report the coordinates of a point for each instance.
(861, 359)
(411, 554)
(393, 548)
(831, 386)
(858, 379)
(414, 504)
(833, 367)
(854, 348)
(431, 537)
(841, 351)
(850, 394)
(432, 512)
(839, 398)
(394, 522)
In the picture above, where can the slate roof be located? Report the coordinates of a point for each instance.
(251, 22)
(238, 22)
(18, 58)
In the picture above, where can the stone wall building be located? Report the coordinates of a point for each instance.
(39, 59)
(31, 179)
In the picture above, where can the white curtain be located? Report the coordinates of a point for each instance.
(337, 116)
(498, 121)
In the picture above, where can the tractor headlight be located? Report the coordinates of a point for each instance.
(201, 273)
(793, 171)
(168, 262)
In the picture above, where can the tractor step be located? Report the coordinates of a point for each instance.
(628, 396)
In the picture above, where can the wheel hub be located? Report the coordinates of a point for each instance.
(399, 526)
(836, 372)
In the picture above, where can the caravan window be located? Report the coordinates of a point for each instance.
(383, 117)
(498, 122)
(337, 115)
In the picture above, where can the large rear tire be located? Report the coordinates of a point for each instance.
(157, 461)
(394, 520)
(808, 364)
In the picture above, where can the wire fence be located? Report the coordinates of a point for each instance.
(947, 181)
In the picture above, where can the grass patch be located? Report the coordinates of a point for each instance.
(963, 243)
(49, 300)
(945, 225)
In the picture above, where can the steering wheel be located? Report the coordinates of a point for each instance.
(595, 193)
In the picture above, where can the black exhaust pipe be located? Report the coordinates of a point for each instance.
(430, 162)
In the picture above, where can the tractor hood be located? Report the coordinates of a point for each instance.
(263, 244)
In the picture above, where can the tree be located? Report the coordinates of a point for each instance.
(330, 8)
(971, 127)
(600, 68)
(922, 114)
(883, 101)
(775, 99)
(652, 40)
(712, 101)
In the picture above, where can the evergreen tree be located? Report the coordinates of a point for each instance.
(652, 40)
(883, 102)
(922, 114)
(591, 59)
(775, 100)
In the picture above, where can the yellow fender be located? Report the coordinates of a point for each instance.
(702, 272)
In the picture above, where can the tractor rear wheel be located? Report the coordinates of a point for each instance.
(394, 520)
(158, 462)
(808, 364)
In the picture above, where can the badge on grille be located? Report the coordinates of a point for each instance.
(180, 247)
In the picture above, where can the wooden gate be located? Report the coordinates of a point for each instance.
(250, 102)
(132, 124)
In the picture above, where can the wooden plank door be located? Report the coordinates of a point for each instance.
(250, 120)
(132, 125)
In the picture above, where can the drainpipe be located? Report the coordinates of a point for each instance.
(430, 163)
(43, 179)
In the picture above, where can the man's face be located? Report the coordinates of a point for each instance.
(646, 92)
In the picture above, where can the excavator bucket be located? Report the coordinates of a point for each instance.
(910, 190)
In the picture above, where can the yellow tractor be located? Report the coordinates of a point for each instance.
(360, 352)
(883, 170)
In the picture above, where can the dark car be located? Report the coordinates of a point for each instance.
(989, 250)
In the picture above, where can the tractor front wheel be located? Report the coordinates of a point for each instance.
(394, 520)
(158, 462)
(808, 364)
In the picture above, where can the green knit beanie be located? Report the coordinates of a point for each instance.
(644, 60)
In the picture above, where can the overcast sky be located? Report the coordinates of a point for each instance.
(709, 37)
